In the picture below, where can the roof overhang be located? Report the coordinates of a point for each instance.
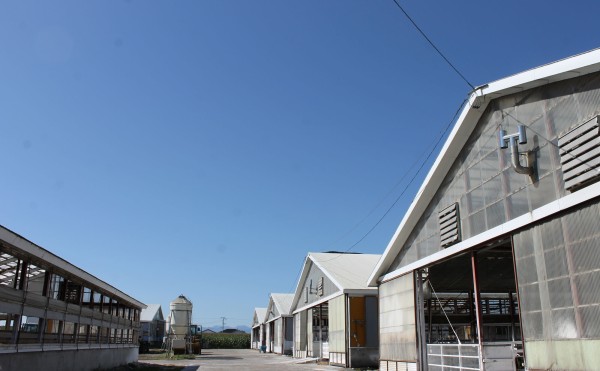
(305, 270)
(351, 292)
(28, 247)
(569, 201)
(278, 317)
(478, 101)
(317, 302)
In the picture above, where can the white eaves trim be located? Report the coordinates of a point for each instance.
(273, 319)
(305, 270)
(297, 292)
(259, 317)
(371, 291)
(320, 301)
(45, 255)
(543, 212)
(578, 65)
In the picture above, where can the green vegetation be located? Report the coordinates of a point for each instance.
(164, 355)
(225, 341)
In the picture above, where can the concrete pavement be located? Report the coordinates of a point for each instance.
(242, 360)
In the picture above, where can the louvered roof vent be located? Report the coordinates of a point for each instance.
(449, 225)
(580, 154)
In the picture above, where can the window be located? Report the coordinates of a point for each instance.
(57, 287)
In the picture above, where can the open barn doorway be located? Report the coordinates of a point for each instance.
(469, 312)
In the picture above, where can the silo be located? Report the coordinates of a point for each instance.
(180, 320)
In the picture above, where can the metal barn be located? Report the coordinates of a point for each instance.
(496, 264)
(335, 313)
(258, 335)
(279, 324)
(152, 324)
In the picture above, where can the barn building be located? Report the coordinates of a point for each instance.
(258, 333)
(279, 324)
(335, 312)
(152, 322)
(496, 264)
(56, 316)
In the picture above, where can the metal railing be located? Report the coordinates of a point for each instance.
(453, 356)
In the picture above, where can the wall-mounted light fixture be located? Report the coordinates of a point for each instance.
(505, 141)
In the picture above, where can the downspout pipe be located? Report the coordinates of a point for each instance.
(514, 156)
(505, 140)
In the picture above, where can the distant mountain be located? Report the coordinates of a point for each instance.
(246, 329)
(219, 328)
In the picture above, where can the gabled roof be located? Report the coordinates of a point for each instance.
(259, 316)
(282, 303)
(585, 63)
(348, 272)
(151, 313)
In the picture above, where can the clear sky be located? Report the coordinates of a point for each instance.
(204, 147)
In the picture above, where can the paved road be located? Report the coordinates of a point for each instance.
(242, 360)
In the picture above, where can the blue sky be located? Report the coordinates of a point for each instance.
(204, 147)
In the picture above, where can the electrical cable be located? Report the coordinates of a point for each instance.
(443, 311)
(433, 45)
(439, 139)
(575, 158)
(353, 228)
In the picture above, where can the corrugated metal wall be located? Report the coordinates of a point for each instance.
(337, 330)
(300, 334)
(309, 332)
(558, 271)
(397, 324)
(488, 191)
(278, 338)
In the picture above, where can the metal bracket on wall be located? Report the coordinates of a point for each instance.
(505, 141)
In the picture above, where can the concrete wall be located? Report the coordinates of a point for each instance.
(65, 360)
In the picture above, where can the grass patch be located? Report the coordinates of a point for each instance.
(162, 355)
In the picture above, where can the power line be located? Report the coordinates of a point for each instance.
(439, 139)
(353, 228)
(432, 44)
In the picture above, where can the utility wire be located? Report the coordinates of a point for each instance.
(432, 44)
(352, 229)
(432, 150)
(443, 311)
(439, 139)
(550, 142)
